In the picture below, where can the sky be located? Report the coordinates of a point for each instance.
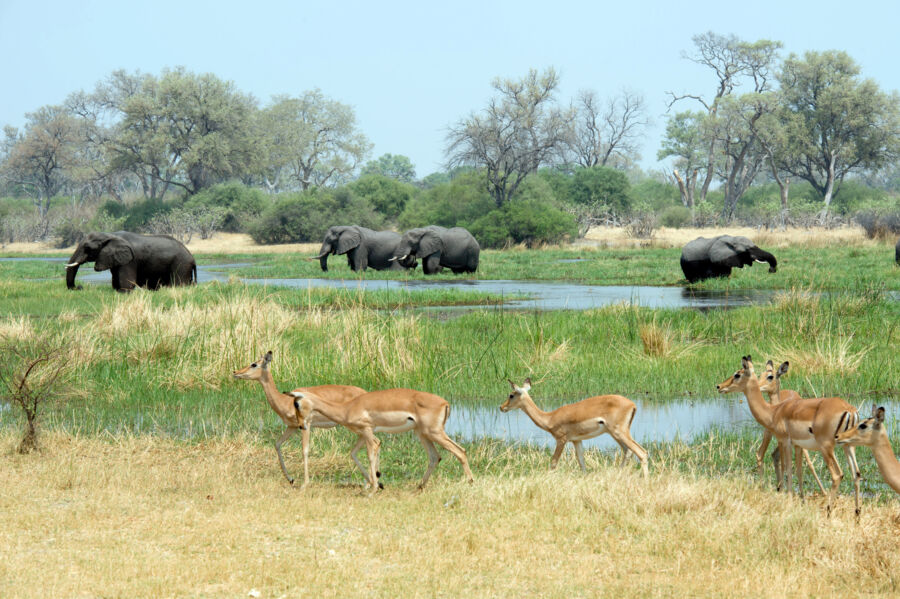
(411, 69)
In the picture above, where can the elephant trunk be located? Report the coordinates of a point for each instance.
(78, 258)
(764, 256)
(324, 252)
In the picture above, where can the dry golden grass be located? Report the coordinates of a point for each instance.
(824, 357)
(143, 517)
(220, 243)
(672, 238)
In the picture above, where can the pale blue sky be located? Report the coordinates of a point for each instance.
(412, 68)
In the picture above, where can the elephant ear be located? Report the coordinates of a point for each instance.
(348, 240)
(431, 243)
(116, 252)
(724, 252)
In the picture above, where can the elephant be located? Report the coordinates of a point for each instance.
(149, 261)
(364, 248)
(897, 252)
(438, 247)
(705, 258)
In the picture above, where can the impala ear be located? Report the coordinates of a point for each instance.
(782, 370)
(266, 359)
(770, 365)
(512, 384)
(879, 416)
(746, 362)
(527, 384)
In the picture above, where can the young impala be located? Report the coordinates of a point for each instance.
(770, 384)
(390, 411)
(283, 405)
(872, 433)
(582, 420)
(805, 423)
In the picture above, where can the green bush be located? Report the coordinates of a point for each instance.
(134, 217)
(388, 196)
(238, 204)
(458, 203)
(601, 186)
(305, 216)
(524, 221)
(675, 217)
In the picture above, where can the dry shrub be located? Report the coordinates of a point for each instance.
(826, 357)
(16, 329)
(662, 341)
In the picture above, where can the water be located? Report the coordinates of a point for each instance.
(543, 295)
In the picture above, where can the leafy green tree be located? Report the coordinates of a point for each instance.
(457, 203)
(684, 140)
(394, 166)
(239, 204)
(389, 196)
(309, 141)
(836, 122)
(601, 186)
(521, 129)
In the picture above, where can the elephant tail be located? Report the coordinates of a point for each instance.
(194, 271)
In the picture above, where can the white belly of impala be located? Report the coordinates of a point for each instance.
(396, 429)
(808, 444)
(584, 435)
(394, 422)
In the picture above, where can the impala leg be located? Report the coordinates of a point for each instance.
(554, 459)
(304, 436)
(850, 452)
(798, 467)
(812, 469)
(624, 438)
(579, 455)
(360, 441)
(761, 452)
(458, 452)
(784, 452)
(777, 464)
(284, 437)
(433, 458)
(372, 447)
(836, 475)
(622, 458)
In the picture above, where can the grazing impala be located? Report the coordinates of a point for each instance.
(806, 423)
(582, 420)
(390, 411)
(872, 433)
(770, 384)
(283, 404)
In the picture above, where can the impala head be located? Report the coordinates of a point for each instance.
(515, 397)
(866, 432)
(770, 379)
(254, 372)
(738, 380)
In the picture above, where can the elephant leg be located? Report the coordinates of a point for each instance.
(432, 264)
(123, 279)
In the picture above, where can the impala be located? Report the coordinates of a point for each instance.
(582, 420)
(283, 405)
(390, 411)
(770, 384)
(805, 423)
(872, 433)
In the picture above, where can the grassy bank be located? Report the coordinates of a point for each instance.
(84, 518)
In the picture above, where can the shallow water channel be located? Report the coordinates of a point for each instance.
(543, 295)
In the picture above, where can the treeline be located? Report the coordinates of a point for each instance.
(775, 141)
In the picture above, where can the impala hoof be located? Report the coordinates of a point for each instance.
(380, 485)
(291, 480)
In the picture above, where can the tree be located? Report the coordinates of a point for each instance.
(521, 129)
(835, 122)
(601, 186)
(394, 166)
(734, 62)
(40, 158)
(606, 133)
(311, 141)
(684, 140)
(388, 195)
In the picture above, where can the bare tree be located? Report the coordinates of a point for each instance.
(606, 132)
(521, 129)
(29, 379)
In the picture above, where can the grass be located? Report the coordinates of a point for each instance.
(83, 518)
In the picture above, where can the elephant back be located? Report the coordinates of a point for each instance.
(697, 250)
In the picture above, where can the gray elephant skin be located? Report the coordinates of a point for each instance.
(150, 261)
(438, 247)
(705, 258)
(363, 247)
(897, 252)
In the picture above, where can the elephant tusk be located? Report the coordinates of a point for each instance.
(72, 265)
(392, 259)
(403, 257)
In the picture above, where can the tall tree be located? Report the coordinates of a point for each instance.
(393, 166)
(522, 129)
(835, 121)
(734, 62)
(684, 140)
(606, 132)
(312, 140)
(40, 158)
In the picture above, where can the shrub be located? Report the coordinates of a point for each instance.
(458, 203)
(238, 204)
(641, 226)
(675, 217)
(879, 226)
(524, 221)
(601, 186)
(305, 216)
(388, 196)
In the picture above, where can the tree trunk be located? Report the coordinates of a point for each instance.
(29, 441)
(829, 189)
(686, 188)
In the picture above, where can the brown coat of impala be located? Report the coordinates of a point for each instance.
(283, 405)
(389, 411)
(581, 420)
(872, 433)
(810, 424)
